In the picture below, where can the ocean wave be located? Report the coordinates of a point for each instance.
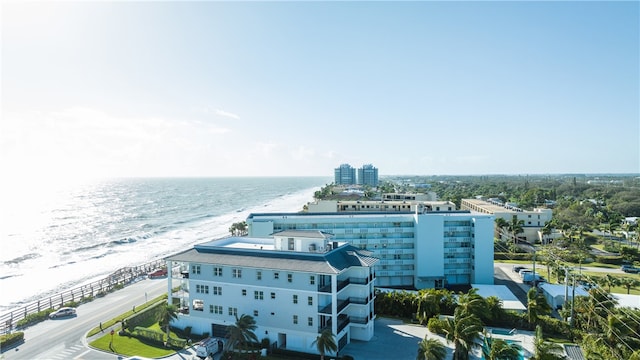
(7, 276)
(22, 258)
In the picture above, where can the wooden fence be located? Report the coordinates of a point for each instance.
(121, 277)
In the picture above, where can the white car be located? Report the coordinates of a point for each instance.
(63, 312)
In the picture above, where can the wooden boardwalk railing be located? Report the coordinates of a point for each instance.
(121, 277)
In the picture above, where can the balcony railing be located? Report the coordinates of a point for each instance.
(343, 321)
(343, 283)
(343, 303)
(359, 320)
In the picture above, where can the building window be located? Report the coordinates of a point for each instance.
(195, 269)
(211, 309)
(217, 290)
(244, 292)
(217, 309)
(217, 271)
(233, 311)
(295, 299)
(291, 244)
(237, 273)
(255, 313)
(259, 275)
(276, 276)
(258, 295)
(312, 280)
(273, 295)
(310, 300)
(289, 277)
(295, 319)
(310, 321)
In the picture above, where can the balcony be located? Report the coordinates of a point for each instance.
(359, 320)
(343, 283)
(343, 321)
(343, 303)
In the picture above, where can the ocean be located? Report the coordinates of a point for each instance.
(57, 238)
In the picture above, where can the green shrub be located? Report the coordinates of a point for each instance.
(436, 326)
(145, 317)
(512, 256)
(152, 336)
(615, 260)
(177, 343)
(34, 318)
(9, 339)
(72, 304)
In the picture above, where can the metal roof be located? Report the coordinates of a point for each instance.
(331, 262)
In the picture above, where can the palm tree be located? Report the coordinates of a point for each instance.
(609, 281)
(242, 332)
(544, 350)
(501, 225)
(547, 229)
(431, 349)
(462, 330)
(515, 227)
(629, 283)
(427, 304)
(325, 342)
(536, 305)
(499, 349)
(472, 303)
(167, 313)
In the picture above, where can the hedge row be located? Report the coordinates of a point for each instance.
(9, 339)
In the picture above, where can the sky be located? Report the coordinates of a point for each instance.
(131, 89)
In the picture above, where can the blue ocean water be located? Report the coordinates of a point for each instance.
(58, 238)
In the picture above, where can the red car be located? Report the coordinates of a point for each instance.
(157, 273)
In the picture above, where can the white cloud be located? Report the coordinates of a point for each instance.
(227, 114)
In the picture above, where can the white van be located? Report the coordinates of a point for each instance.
(208, 347)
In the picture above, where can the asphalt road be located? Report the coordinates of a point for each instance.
(65, 339)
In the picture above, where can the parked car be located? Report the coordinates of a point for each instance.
(629, 269)
(157, 273)
(63, 312)
(517, 268)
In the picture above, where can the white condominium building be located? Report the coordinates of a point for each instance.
(416, 250)
(533, 221)
(378, 206)
(294, 284)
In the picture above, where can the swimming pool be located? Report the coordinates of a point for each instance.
(520, 353)
(503, 331)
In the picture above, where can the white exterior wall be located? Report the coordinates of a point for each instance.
(275, 315)
(410, 246)
(483, 250)
(429, 251)
(389, 236)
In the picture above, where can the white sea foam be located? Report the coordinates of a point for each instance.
(42, 268)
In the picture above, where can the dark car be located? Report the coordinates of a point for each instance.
(517, 268)
(630, 269)
(63, 312)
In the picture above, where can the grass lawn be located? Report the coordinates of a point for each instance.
(129, 346)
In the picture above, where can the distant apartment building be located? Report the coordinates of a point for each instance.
(416, 250)
(429, 196)
(325, 206)
(345, 175)
(533, 221)
(368, 175)
(294, 284)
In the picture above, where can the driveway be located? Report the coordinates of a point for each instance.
(392, 339)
